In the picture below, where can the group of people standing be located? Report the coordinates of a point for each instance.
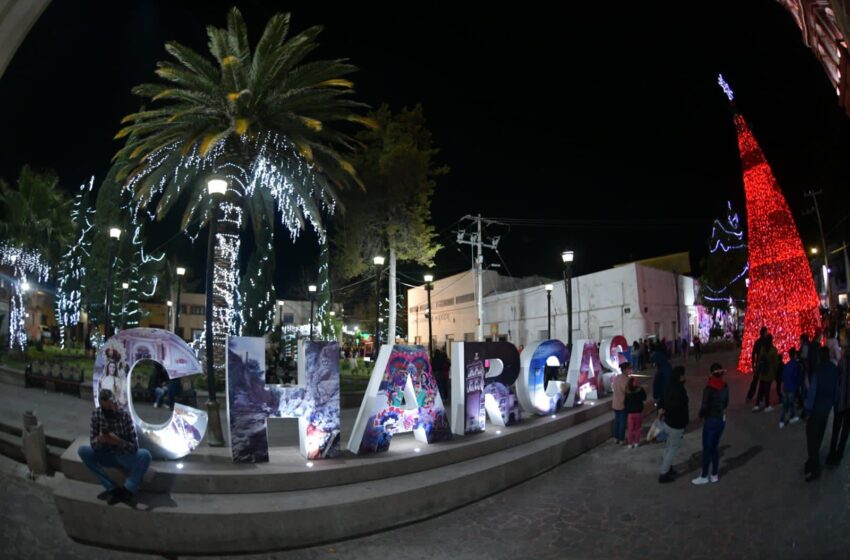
(810, 385)
(643, 351)
(671, 400)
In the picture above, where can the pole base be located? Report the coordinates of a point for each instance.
(215, 438)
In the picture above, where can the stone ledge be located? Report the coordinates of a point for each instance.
(11, 376)
(210, 471)
(223, 524)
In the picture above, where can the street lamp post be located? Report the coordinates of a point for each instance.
(567, 258)
(216, 188)
(311, 289)
(114, 233)
(429, 285)
(180, 273)
(169, 305)
(124, 286)
(379, 262)
(549, 311)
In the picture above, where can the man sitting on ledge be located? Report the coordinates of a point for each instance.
(114, 444)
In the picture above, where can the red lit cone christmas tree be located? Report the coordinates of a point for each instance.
(781, 295)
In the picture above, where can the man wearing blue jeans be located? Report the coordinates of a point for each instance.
(114, 445)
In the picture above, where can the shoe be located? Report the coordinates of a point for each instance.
(155, 405)
(106, 495)
(756, 408)
(781, 425)
(666, 478)
(794, 420)
(700, 480)
(117, 495)
(672, 472)
(121, 494)
(714, 478)
(768, 409)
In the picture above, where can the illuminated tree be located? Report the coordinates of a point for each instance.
(262, 118)
(781, 295)
(724, 281)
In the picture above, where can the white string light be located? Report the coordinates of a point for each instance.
(22, 261)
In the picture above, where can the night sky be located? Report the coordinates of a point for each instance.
(606, 122)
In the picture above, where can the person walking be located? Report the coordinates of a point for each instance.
(114, 445)
(841, 416)
(697, 348)
(822, 396)
(754, 360)
(635, 397)
(663, 373)
(767, 368)
(791, 379)
(620, 385)
(673, 409)
(715, 399)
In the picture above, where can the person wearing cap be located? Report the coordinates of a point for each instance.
(114, 445)
(620, 385)
(715, 399)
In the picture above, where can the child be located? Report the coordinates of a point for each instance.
(635, 397)
(791, 379)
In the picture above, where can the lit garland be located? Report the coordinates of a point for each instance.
(716, 244)
(226, 278)
(781, 295)
(70, 279)
(22, 261)
(323, 295)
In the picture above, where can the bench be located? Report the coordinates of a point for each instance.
(54, 376)
(187, 395)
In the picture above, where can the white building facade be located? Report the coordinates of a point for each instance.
(634, 300)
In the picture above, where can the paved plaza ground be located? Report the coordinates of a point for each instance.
(606, 503)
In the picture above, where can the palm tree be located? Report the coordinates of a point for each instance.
(263, 119)
(36, 213)
(35, 227)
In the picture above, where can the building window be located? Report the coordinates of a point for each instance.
(288, 318)
(197, 310)
(464, 298)
(445, 302)
(469, 337)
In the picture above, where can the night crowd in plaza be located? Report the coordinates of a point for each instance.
(809, 385)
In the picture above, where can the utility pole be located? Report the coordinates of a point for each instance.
(814, 196)
(476, 240)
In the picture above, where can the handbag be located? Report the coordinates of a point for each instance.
(657, 431)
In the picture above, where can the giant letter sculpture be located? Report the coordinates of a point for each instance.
(477, 393)
(113, 369)
(250, 402)
(612, 351)
(584, 371)
(533, 395)
(402, 396)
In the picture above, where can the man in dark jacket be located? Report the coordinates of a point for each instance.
(821, 398)
(841, 417)
(662, 376)
(751, 392)
(673, 408)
